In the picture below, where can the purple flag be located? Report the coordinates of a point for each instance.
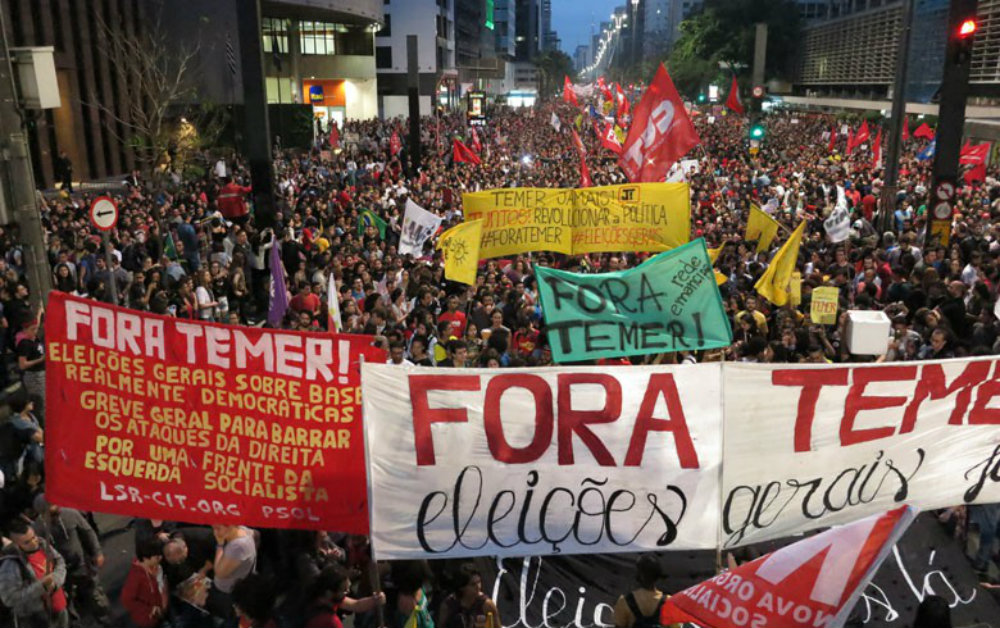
(279, 295)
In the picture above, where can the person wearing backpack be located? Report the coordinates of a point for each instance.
(640, 607)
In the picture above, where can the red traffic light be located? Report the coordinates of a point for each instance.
(967, 29)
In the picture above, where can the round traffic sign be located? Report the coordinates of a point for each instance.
(945, 190)
(758, 91)
(942, 211)
(104, 213)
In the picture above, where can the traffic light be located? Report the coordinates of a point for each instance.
(963, 32)
(757, 131)
(701, 99)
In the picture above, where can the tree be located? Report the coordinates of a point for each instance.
(553, 66)
(158, 106)
(725, 32)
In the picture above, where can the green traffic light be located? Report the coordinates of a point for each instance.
(757, 132)
(701, 98)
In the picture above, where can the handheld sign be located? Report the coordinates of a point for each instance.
(104, 213)
(825, 301)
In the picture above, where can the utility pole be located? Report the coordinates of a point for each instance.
(257, 130)
(962, 28)
(413, 93)
(890, 187)
(19, 180)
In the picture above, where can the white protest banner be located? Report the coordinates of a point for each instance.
(838, 225)
(556, 122)
(418, 225)
(808, 447)
(471, 462)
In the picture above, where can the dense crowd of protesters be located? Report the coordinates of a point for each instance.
(195, 249)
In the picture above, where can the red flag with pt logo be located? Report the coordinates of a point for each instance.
(661, 132)
(814, 582)
(568, 94)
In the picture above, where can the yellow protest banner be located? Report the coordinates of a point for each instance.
(795, 289)
(649, 217)
(761, 227)
(825, 301)
(460, 244)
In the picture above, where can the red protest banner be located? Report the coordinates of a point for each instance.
(175, 419)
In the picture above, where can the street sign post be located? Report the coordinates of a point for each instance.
(104, 216)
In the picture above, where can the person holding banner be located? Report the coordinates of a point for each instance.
(641, 607)
(467, 606)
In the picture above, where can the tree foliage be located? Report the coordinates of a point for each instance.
(725, 32)
(553, 66)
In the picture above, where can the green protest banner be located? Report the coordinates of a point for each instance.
(669, 303)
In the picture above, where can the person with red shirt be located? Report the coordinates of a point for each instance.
(145, 594)
(306, 300)
(32, 574)
(232, 201)
(454, 317)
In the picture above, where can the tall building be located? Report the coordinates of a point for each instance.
(308, 44)
(433, 22)
(320, 54)
(582, 57)
(545, 27)
(91, 138)
(527, 30)
(852, 51)
(505, 20)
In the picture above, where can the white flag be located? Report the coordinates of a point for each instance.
(838, 225)
(556, 123)
(333, 305)
(418, 225)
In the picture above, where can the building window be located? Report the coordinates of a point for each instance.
(274, 34)
(383, 57)
(318, 38)
(386, 30)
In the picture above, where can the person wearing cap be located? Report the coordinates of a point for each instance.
(31, 362)
(68, 531)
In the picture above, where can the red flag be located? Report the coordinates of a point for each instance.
(974, 153)
(395, 145)
(609, 139)
(461, 153)
(863, 134)
(833, 139)
(585, 181)
(661, 132)
(975, 174)
(733, 101)
(924, 131)
(601, 85)
(568, 94)
(584, 172)
(476, 144)
(906, 129)
(850, 140)
(334, 137)
(814, 582)
(578, 143)
(877, 150)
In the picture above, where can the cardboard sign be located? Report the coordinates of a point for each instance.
(825, 302)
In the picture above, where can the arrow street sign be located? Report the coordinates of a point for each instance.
(104, 213)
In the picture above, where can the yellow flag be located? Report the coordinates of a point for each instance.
(713, 254)
(761, 227)
(775, 284)
(795, 293)
(461, 251)
(620, 134)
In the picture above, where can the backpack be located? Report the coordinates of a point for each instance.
(644, 621)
